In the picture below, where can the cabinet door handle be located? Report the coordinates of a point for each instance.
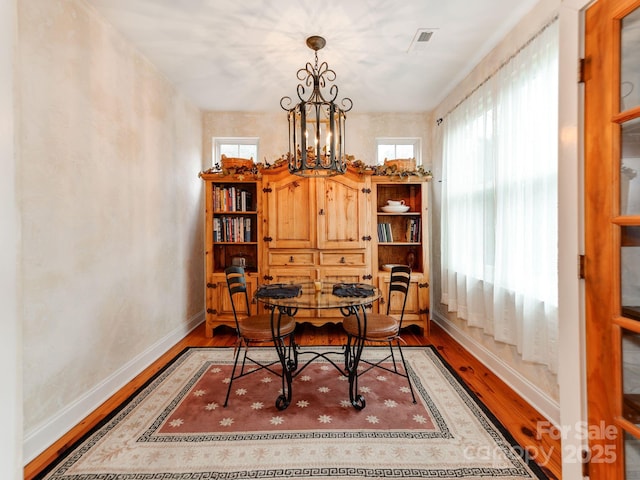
(321, 211)
(291, 259)
(343, 260)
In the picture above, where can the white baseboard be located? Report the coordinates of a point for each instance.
(44, 435)
(539, 400)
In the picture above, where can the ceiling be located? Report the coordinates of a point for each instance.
(243, 55)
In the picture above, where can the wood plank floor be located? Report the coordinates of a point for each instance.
(514, 413)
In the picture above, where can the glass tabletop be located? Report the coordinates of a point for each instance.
(319, 295)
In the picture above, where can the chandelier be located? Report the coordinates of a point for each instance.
(316, 124)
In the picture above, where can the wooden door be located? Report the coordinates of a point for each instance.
(219, 309)
(342, 274)
(342, 212)
(413, 311)
(612, 237)
(291, 207)
(291, 274)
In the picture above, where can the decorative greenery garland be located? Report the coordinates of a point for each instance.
(361, 167)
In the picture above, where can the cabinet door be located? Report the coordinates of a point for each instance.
(415, 301)
(341, 274)
(219, 309)
(222, 302)
(342, 212)
(291, 206)
(294, 275)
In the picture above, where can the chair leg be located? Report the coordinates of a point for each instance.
(233, 372)
(406, 371)
(393, 357)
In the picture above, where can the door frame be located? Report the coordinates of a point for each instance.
(571, 334)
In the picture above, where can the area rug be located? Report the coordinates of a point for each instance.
(175, 427)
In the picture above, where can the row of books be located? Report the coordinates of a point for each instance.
(232, 229)
(413, 230)
(231, 199)
(412, 234)
(385, 233)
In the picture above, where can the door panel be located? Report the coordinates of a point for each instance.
(412, 308)
(612, 237)
(341, 274)
(295, 275)
(629, 74)
(292, 210)
(342, 220)
(630, 166)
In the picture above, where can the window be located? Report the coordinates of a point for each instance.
(238, 147)
(500, 200)
(392, 148)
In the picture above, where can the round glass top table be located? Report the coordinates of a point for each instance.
(309, 297)
(287, 299)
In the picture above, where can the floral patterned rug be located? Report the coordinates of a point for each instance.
(175, 427)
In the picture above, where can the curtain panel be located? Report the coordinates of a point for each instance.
(500, 201)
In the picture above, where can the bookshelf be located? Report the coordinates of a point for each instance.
(402, 238)
(234, 225)
(232, 230)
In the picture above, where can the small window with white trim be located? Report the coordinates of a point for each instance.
(392, 148)
(235, 147)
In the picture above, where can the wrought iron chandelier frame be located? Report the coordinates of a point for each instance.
(316, 124)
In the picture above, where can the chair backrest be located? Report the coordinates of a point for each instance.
(237, 284)
(399, 282)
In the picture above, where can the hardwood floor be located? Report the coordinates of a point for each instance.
(511, 410)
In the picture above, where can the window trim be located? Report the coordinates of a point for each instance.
(218, 141)
(415, 141)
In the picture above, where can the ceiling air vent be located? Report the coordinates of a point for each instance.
(424, 36)
(420, 39)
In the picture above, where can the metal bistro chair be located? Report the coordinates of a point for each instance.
(254, 329)
(383, 328)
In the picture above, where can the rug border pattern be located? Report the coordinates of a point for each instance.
(492, 426)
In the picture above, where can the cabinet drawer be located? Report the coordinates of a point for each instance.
(343, 258)
(292, 258)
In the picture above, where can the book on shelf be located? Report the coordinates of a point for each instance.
(232, 229)
(385, 233)
(231, 199)
(247, 229)
(413, 230)
(217, 230)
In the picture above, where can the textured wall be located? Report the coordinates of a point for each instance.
(362, 131)
(10, 328)
(110, 203)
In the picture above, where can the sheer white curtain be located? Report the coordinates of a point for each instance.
(499, 203)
